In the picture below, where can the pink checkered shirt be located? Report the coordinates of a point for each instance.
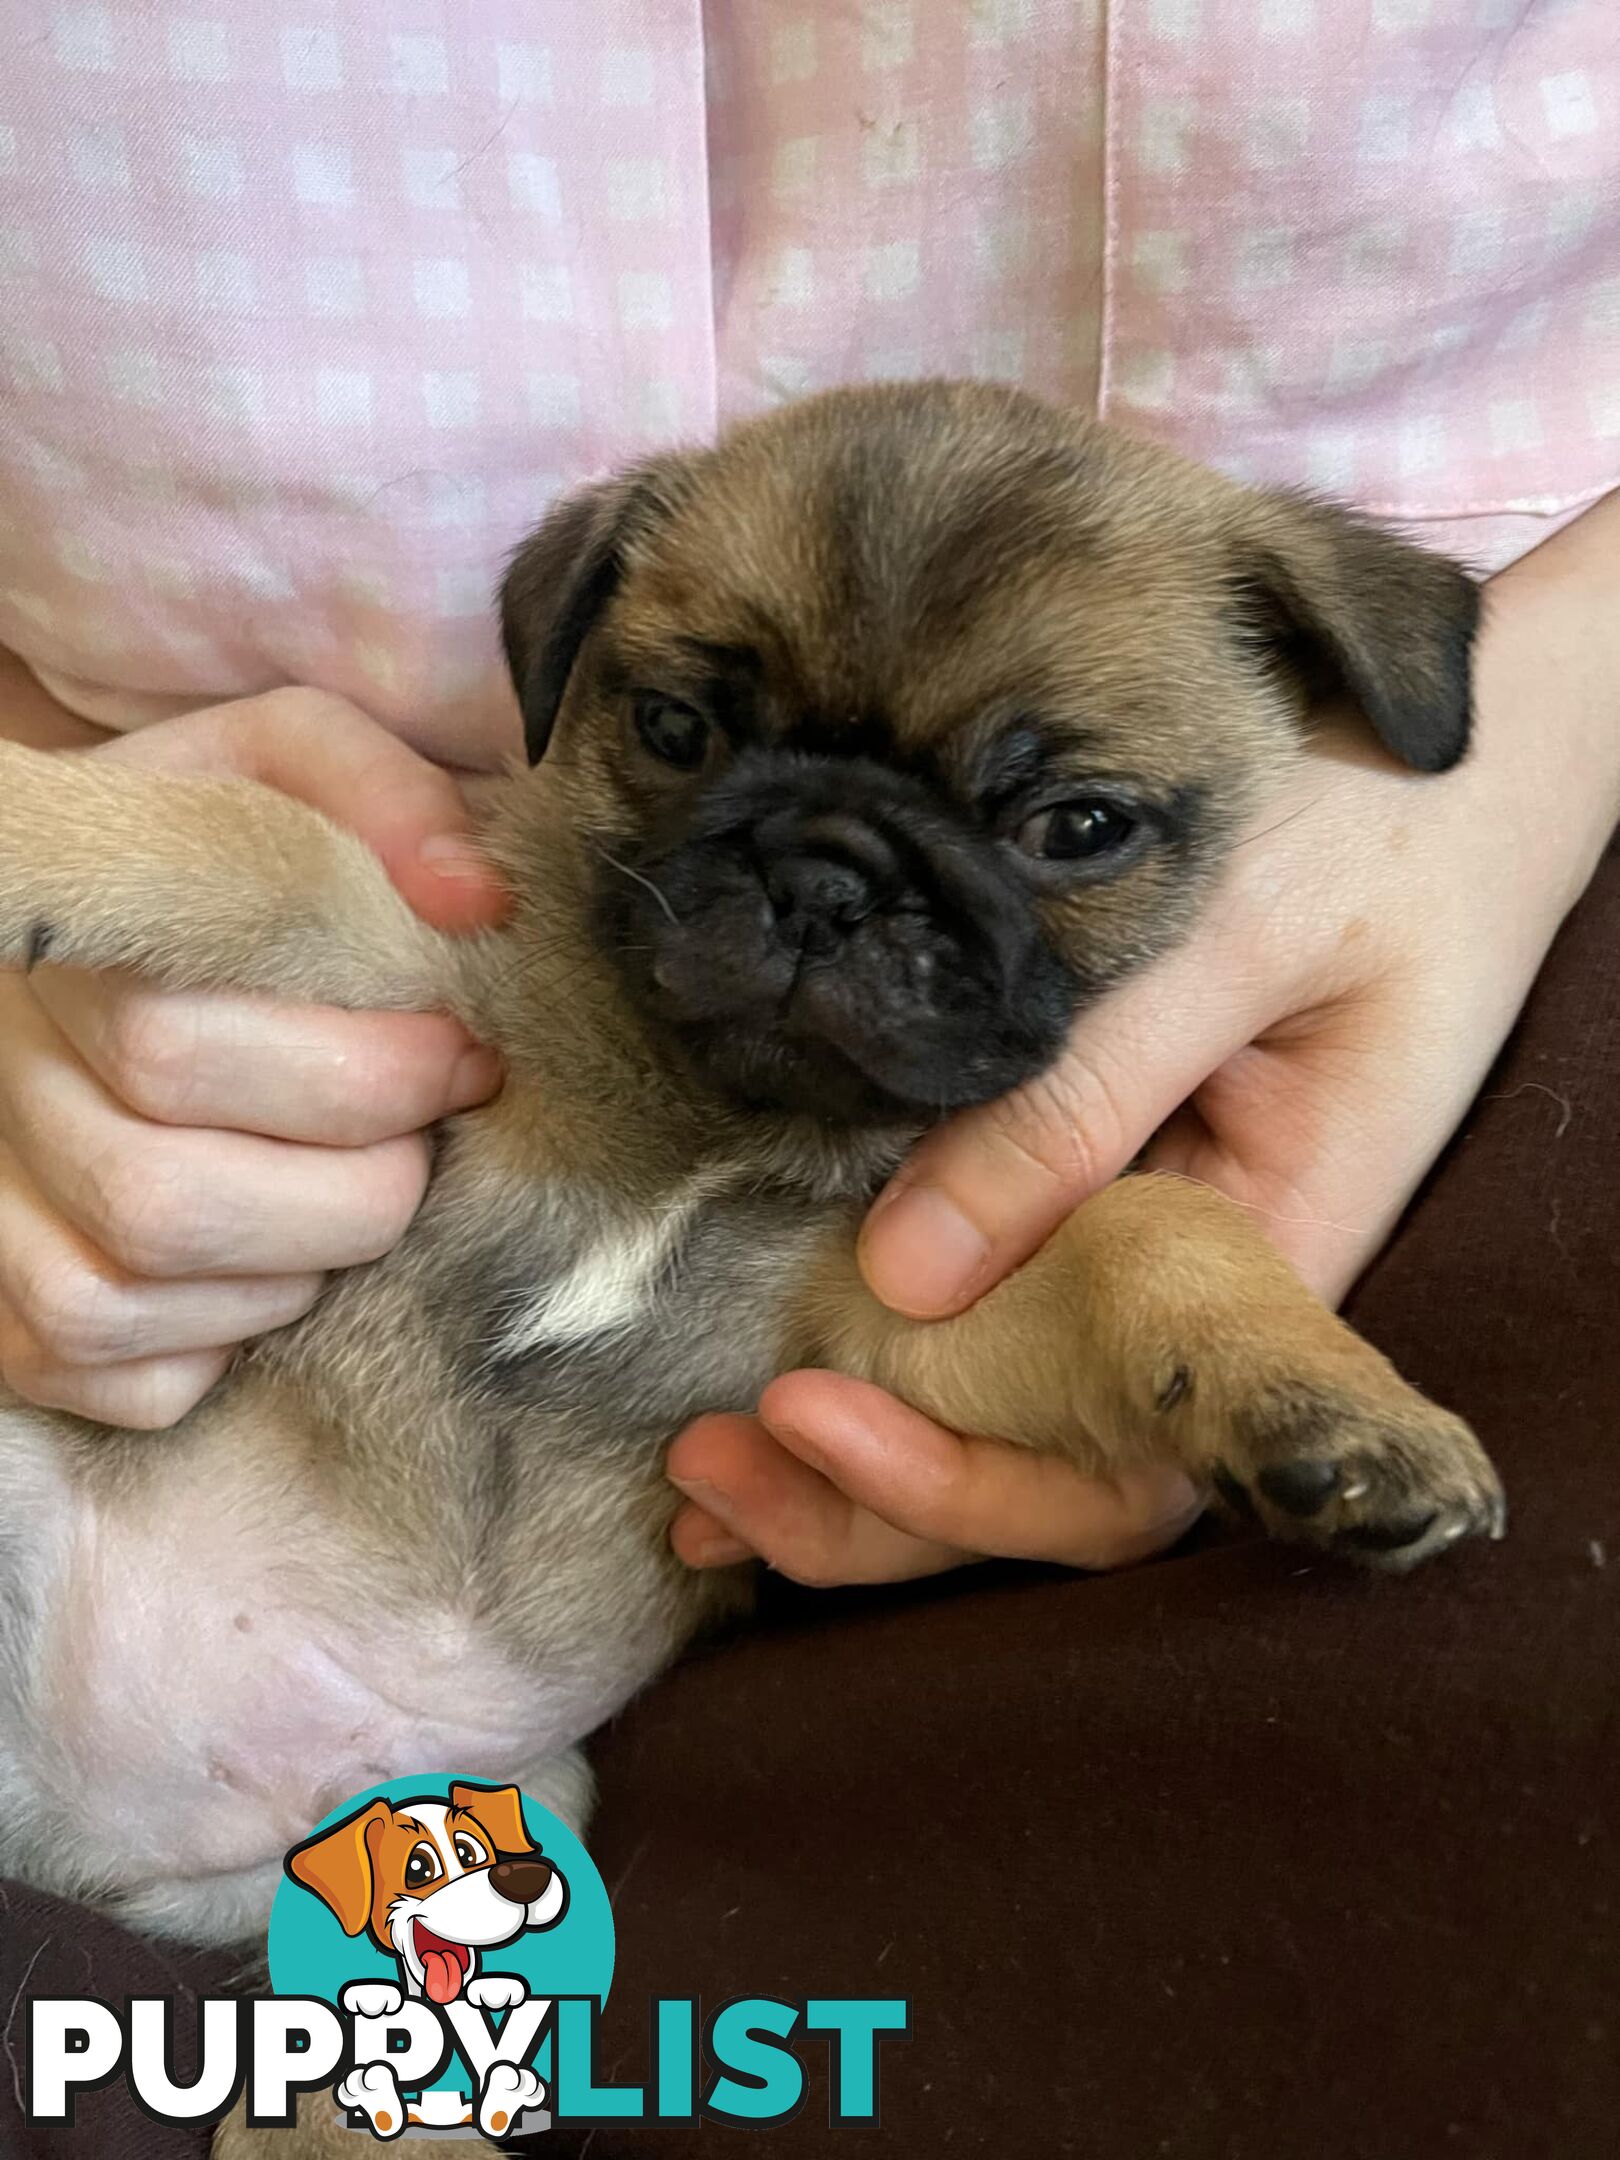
(310, 309)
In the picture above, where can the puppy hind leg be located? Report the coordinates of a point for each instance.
(204, 884)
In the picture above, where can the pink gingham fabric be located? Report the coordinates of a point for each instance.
(310, 308)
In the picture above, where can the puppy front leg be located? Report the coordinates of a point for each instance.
(204, 884)
(1159, 1325)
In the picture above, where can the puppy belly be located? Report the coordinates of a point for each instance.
(214, 1679)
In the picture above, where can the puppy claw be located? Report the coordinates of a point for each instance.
(1395, 1535)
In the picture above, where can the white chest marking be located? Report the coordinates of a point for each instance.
(612, 1283)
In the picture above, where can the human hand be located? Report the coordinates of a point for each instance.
(1308, 1051)
(179, 1172)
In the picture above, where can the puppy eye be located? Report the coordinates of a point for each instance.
(469, 1853)
(421, 1867)
(1077, 831)
(677, 733)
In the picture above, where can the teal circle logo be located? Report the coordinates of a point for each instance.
(456, 1894)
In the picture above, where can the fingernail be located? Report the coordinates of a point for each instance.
(921, 1254)
(717, 1549)
(714, 1545)
(807, 1445)
(454, 856)
(1181, 1504)
(1165, 1505)
(703, 1491)
(478, 1073)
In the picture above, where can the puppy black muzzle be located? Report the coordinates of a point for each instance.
(828, 935)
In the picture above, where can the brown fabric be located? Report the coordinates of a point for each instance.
(48, 1948)
(1235, 1856)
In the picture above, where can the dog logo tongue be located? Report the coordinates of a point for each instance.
(444, 1964)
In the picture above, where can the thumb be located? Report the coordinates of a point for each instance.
(328, 753)
(982, 1193)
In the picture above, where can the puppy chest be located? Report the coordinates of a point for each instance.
(684, 1309)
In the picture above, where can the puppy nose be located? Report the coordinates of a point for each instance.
(827, 872)
(522, 1881)
(819, 890)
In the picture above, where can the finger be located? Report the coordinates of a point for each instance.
(147, 1396)
(751, 1495)
(976, 1495)
(982, 1193)
(329, 754)
(701, 1540)
(173, 1202)
(77, 1308)
(291, 1072)
(201, 1203)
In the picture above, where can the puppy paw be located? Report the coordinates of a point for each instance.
(1387, 1479)
(509, 2090)
(496, 1991)
(372, 2090)
(372, 1998)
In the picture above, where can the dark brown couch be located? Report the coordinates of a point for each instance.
(1235, 1856)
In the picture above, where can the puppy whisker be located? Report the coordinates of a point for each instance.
(636, 878)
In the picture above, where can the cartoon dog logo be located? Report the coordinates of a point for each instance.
(434, 1883)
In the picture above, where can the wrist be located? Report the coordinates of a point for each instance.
(1545, 766)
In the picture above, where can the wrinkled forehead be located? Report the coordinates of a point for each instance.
(895, 589)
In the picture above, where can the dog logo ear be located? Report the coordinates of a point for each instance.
(1360, 609)
(336, 1865)
(500, 1809)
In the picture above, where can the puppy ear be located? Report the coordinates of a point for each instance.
(336, 1865)
(500, 1809)
(560, 580)
(1359, 609)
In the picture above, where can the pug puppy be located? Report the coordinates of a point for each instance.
(867, 748)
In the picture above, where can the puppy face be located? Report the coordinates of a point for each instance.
(908, 719)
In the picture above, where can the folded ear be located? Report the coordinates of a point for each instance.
(562, 577)
(500, 1809)
(1359, 609)
(336, 1865)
